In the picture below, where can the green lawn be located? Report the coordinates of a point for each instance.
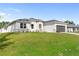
(39, 44)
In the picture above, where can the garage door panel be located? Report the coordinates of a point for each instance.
(60, 28)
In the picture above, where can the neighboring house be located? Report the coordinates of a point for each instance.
(72, 28)
(37, 25)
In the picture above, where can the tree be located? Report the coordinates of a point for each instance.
(69, 22)
(1, 24)
(3, 37)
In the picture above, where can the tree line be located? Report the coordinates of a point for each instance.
(3, 23)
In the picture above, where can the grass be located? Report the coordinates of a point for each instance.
(39, 44)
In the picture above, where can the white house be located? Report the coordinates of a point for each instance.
(24, 25)
(37, 25)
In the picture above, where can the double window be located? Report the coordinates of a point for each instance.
(22, 25)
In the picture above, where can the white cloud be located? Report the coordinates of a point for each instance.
(14, 9)
(8, 14)
(2, 14)
(17, 10)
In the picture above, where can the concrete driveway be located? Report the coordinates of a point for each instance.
(74, 33)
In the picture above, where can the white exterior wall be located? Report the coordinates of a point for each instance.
(13, 28)
(52, 28)
(49, 28)
(40, 29)
(76, 29)
(69, 29)
(72, 30)
(16, 27)
(36, 26)
(8, 29)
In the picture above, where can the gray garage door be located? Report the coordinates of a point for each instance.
(60, 28)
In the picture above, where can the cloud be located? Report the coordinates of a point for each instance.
(8, 14)
(8, 11)
(14, 9)
(17, 10)
(2, 14)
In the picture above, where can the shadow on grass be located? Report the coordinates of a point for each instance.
(4, 41)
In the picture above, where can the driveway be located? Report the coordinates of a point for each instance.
(74, 33)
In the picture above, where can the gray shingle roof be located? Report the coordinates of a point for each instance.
(30, 20)
(53, 22)
(73, 26)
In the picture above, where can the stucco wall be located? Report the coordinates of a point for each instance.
(36, 26)
(16, 27)
(52, 28)
(49, 28)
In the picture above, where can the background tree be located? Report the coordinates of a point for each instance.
(3, 23)
(69, 22)
(3, 40)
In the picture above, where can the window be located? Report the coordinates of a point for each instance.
(24, 25)
(32, 26)
(21, 25)
(40, 26)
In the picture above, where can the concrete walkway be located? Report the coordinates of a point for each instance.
(74, 33)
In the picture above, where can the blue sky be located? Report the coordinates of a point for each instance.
(44, 11)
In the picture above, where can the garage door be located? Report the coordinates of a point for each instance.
(60, 28)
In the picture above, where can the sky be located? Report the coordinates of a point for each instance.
(44, 11)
